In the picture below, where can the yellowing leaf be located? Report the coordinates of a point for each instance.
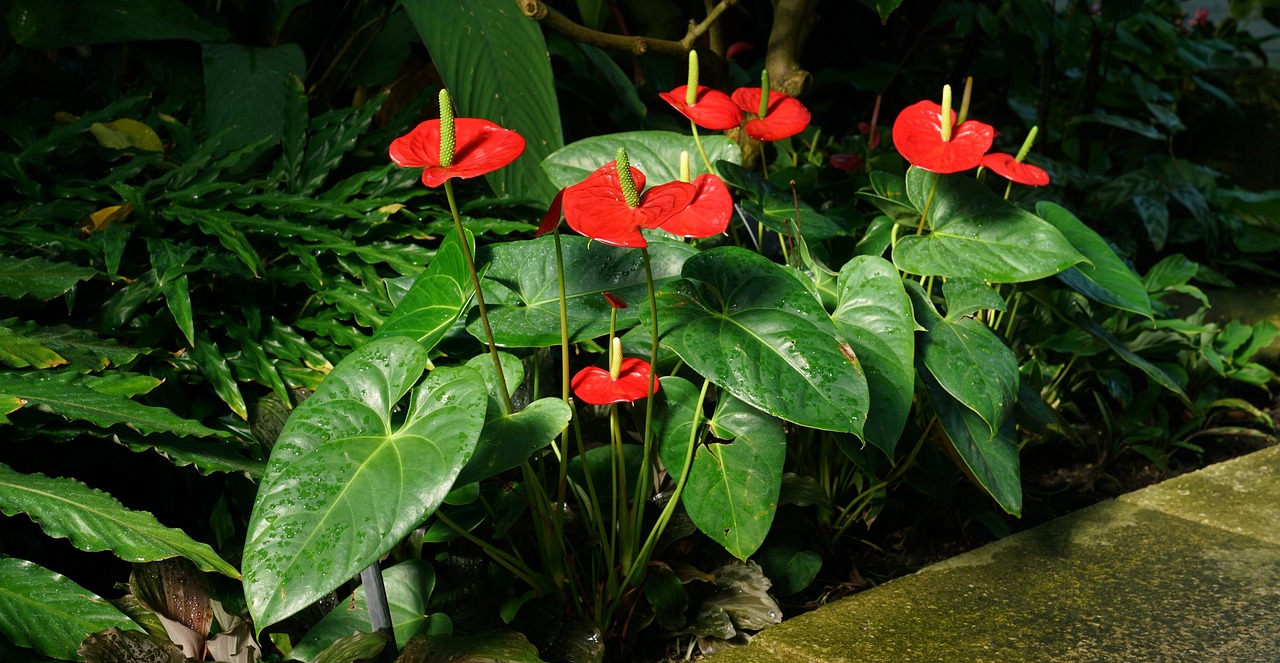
(63, 117)
(126, 133)
(99, 220)
(392, 208)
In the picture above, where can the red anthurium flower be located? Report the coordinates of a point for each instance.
(847, 162)
(481, 147)
(596, 386)
(597, 207)
(1008, 167)
(711, 109)
(785, 116)
(708, 214)
(614, 300)
(552, 218)
(917, 133)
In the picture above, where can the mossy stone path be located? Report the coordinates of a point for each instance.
(1185, 570)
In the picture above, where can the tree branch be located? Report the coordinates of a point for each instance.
(538, 11)
(792, 22)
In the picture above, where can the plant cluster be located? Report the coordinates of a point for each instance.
(533, 444)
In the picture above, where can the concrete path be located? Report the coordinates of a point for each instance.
(1186, 570)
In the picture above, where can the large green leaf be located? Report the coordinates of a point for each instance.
(968, 360)
(976, 233)
(408, 586)
(523, 291)
(437, 298)
(873, 315)
(39, 278)
(64, 394)
(93, 520)
(48, 612)
(1107, 280)
(753, 329)
(349, 476)
(247, 91)
(654, 153)
(989, 458)
(495, 63)
(39, 24)
(732, 490)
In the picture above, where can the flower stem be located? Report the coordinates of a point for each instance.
(698, 141)
(475, 283)
(647, 440)
(563, 477)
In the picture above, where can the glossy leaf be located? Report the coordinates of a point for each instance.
(1158, 375)
(39, 278)
(968, 296)
(346, 481)
(991, 459)
(408, 584)
(889, 195)
(522, 289)
(37, 24)
(438, 297)
(21, 351)
(116, 646)
(654, 153)
(93, 520)
(61, 393)
(1105, 278)
(789, 563)
(48, 612)
(732, 490)
(873, 315)
(510, 439)
(246, 91)
(977, 234)
(756, 331)
(177, 295)
(213, 366)
(967, 360)
(495, 64)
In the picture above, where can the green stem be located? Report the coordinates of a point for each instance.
(647, 439)
(698, 141)
(475, 283)
(661, 525)
(515, 566)
(562, 481)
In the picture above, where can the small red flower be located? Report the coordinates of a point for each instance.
(481, 147)
(597, 208)
(552, 218)
(595, 386)
(849, 163)
(1008, 167)
(708, 214)
(711, 109)
(785, 116)
(872, 134)
(917, 133)
(614, 300)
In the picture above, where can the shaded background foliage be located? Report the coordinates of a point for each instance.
(199, 218)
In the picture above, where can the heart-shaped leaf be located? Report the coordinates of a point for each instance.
(437, 298)
(408, 586)
(346, 481)
(753, 329)
(523, 291)
(968, 296)
(977, 234)
(1107, 280)
(732, 490)
(991, 459)
(654, 153)
(873, 315)
(779, 210)
(967, 360)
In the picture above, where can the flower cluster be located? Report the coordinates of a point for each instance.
(769, 115)
(928, 137)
